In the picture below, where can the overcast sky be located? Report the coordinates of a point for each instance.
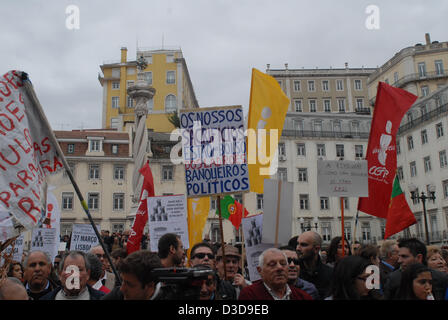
(221, 40)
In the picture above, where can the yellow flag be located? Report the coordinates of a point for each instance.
(198, 210)
(267, 111)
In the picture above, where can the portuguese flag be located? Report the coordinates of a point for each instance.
(232, 210)
(399, 215)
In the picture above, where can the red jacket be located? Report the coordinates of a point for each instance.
(257, 291)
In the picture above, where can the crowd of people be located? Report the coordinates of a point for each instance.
(404, 269)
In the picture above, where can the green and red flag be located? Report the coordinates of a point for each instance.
(399, 215)
(232, 210)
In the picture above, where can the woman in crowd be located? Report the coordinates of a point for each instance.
(371, 253)
(435, 259)
(16, 270)
(416, 283)
(334, 253)
(349, 280)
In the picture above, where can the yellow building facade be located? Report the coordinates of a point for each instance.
(166, 71)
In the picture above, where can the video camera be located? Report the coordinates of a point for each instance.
(180, 283)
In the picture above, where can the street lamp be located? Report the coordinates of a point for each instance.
(423, 197)
(302, 221)
(316, 221)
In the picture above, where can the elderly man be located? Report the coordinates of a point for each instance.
(37, 267)
(273, 269)
(12, 289)
(107, 278)
(74, 272)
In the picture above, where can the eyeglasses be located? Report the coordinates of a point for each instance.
(202, 255)
(296, 261)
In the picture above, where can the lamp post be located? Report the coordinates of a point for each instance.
(302, 221)
(423, 197)
(315, 221)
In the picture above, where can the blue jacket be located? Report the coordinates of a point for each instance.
(308, 287)
(94, 294)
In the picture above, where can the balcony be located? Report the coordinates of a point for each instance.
(325, 134)
(425, 117)
(365, 111)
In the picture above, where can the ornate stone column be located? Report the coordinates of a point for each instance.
(141, 92)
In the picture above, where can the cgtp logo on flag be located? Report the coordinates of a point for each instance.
(26, 152)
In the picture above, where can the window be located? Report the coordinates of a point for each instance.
(281, 149)
(425, 91)
(365, 230)
(170, 103)
(304, 202)
(167, 173)
(439, 67)
(115, 72)
(321, 150)
(325, 231)
(301, 151)
(116, 102)
(94, 171)
(422, 69)
(169, 58)
(410, 117)
(114, 149)
(340, 150)
(339, 85)
(170, 77)
(348, 230)
(213, 203)
(298, 105)
(303, 174)
(70, 148)
(317, 127)
(337, 126)
(312, 105)
(410, 143)
(129, 84)
(398, 147)
(93, 201)
(358, 85)
(311, 85)
(325, 85)
(341, 105)
(427, 163)
(354, 127)
(148, 77)
(413, 169)
(67, 201)
(296, 85)
(259, 201)
(327, 105)
(324, 203)
(443, 159)
(129, 102)
(445, 188)
(115, 85)
(297, 124)
(360, 104)
(118, 201)
(118, 227)
(118, 172)
(114, 123)
(359, 152)
(439, 130)
(395, 77)
(282, 174)
(400, 173)
(424, 135)
(72, 170)
(238, 197)
(95, 145)
(346, 203)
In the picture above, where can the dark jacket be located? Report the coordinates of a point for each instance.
(226, 291)
(258, 291)
(320, 277)
(308, 287)
(439, 285)
(38, 295)
(115, 294)
(94, 294)
(385, 271)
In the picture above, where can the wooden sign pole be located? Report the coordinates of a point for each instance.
(222, 238)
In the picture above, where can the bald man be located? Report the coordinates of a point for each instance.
(13, 289)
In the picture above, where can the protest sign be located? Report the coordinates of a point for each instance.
(18, 250)
(252, 229)
(83, 237)
(214, 151)
(342, 178)
(167, 214)
(46, 240)
(27, 154)
(277, 216)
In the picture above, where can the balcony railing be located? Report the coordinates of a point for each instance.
(423, 118)
(325, 134)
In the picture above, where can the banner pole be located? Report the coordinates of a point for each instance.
(278, 212)
(29, 89)
(342, 226)
(243, 253)
(222, 238)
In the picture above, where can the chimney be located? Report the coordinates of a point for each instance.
(124, 54)
(428, 38)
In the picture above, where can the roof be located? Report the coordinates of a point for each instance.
(83, 134)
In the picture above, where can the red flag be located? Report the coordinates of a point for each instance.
(236, 217)
(399, 215)
(141, 217)
(390, 107)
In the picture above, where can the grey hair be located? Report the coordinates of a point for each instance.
(74, 254)
(261, 256)
(386, 248)
(47, 256)
(96, 267)
(14, 280)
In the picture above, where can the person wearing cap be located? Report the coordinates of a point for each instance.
(232, 262)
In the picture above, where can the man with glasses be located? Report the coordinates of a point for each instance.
(202, 254)
(294, 273)
(107, 278)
